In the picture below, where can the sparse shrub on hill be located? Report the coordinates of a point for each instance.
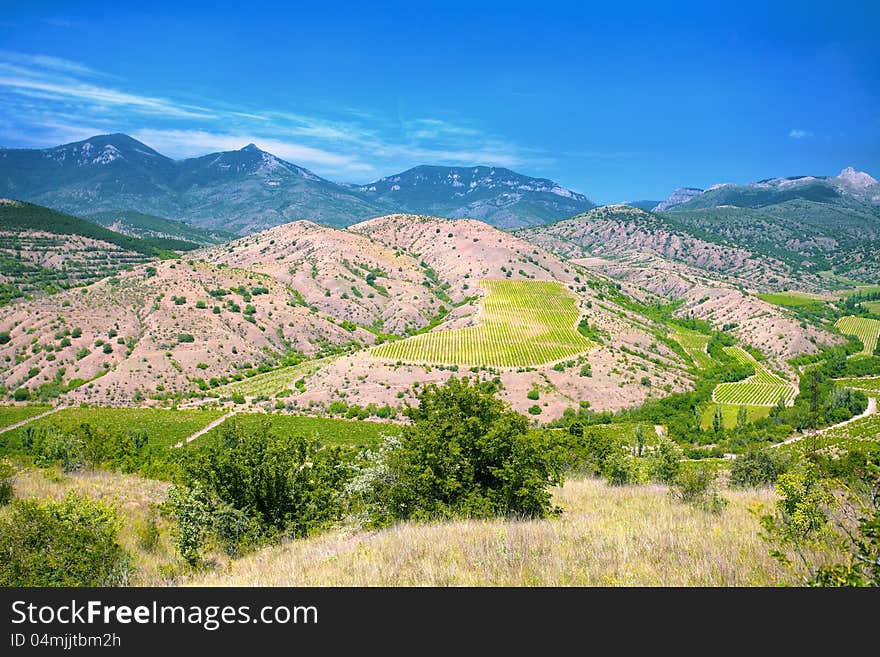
(72, 542)
(466, 454)
(698, 487)
(7, 472)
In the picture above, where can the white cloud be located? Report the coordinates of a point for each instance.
(797, 133)
(48, 100)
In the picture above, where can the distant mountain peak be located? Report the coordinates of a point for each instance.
(679, 196)
(251, 148)
(858, 179)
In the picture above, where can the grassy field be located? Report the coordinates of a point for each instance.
(521, 323)
(276, 383)
(606, 536)
(793, 299)
(866, 383)
(866, 330)
(695, 345)
(763, 388)
(328, 431)
(729, 414)
(165, 427)
(9, 415)
(872, 306)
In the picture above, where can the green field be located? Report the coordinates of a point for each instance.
(866, 383)
(695, 345)
(276, 383)
(866, 330)
(872, 306)
(793, 299)
(164, 426)
(763, 388)
(729, 413)
(328, 431)
(521, 323)
(9, 415)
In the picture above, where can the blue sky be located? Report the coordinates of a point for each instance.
(623, 101)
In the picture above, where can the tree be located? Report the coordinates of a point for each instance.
(758, 467)
(640, 439)
(742, 418)
(718, 421)
(466, 454)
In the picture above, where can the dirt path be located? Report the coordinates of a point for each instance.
(30, 419)
(207, 428)
(872, 408)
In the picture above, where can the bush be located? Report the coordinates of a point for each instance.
(285, 482)
(21, 394)
(148, 534)
(758, 467)
(7, 472)
(466, 454)
(72, 542)
(665, 462)
(698, 487)
(534, 410)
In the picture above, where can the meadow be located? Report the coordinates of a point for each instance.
(605, 536)
(793, 300)
(165, 427)
(327, 431)
(729, 414)
(866, 330)
(522, 323)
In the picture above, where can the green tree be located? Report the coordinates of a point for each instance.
(742, 418)
(718, 421)
(466, 453)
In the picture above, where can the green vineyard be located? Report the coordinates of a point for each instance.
(763, 388)
(866, 330)
(521, 323)
(276, 383)
(695, 345)
(870, 384)
(165, 427)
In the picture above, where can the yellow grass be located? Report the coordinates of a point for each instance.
(606, 537)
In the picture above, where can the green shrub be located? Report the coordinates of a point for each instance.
(758, 467)
(148, 534)
(533, 394)
(72, 542)
(21, 394)
(698, 487)
(7, 473)
(665, 462)
(534, 410)
(466, 454)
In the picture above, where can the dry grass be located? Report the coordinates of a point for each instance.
(133, 496)
(606, 537)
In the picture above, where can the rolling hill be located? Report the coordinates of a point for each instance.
(138, 224)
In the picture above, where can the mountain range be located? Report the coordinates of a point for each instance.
(249, 189)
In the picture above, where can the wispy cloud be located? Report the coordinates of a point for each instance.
(47, 100)
(797, 133)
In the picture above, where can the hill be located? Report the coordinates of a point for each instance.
(498, 196)
(248, 190)
(47, 251)
(138, 224)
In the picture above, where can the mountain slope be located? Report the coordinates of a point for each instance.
(138, 224)
(248, 190)
(498, 196)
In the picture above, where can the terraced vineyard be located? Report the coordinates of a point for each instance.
(866, 330)
(763, 388)
(9, 415)
(329, 431)
(870, 384)
(164, 426)
(863, 434)
(695, 345)
(270, 384)
(522, 323)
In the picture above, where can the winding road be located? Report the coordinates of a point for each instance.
(870, 410)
